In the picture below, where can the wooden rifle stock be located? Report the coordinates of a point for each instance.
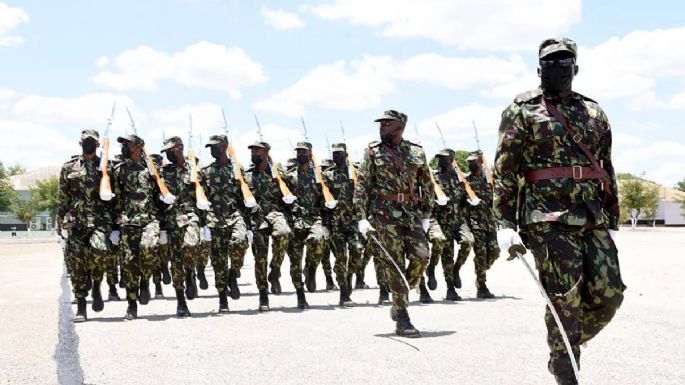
(244, 188)
(436, 186)
(200, 196)
(281, 184)
(467, 185)
(488, 173)
(105, 184)
(327, 196)
(160, 182)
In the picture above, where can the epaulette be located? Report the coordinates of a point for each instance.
(412, 143)
(584, 98)
(375, 143)
(118, 165)
(528, 96)
(73, 157)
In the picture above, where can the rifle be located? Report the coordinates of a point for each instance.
(488, 173)
(167, 196)
(460, 174)
(287, 195)
(200, 197)
(248, 198)
(351, 172)
(327, 196)
(105, 183)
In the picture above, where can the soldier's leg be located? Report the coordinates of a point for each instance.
(113, 272)
(260, 251)
(360, 271)
(416, 251)
(130, 246)
(237, 248)
(338, 246)
(280, 238)
(480, 262)
(492, 248)
(603, 288)
(354, 254)
(76, 250)
(317, 243)
(295, 251)
(436, 237)
(97, 263)
(220, 244)
(463, 255)
(201, 258)
(191, 251)
(178, 276)
(389, 236)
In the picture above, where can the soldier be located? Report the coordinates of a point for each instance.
(136, 226)
(344, 242)
(161, 252)
(270, 221)
(394, 194)
(84, 221)
(226, 219)
(181, 223)
(555, 185)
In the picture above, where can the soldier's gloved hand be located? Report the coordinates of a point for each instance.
(207, 233)
(441, 201)
(106, 196)
(426, 224)
(614, 235)
(114, 237)
(250, 203)
(331, 204)
(64, 233)
(163, 237)
(250, 236)
(62, 242)
(364, 227)
(510, 242)
(474, 202)
(169, 199)
(289, 199)
(203, 205)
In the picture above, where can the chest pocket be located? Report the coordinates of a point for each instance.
(385, 163)
(76, 179)
(548, 138)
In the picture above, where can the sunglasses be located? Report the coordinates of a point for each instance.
(567, 62)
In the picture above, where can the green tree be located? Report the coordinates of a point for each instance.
(16, 170)
(7, 193)
(44, 196)
(680, 186)
(24, 212)
(460, 156)
(637, 197)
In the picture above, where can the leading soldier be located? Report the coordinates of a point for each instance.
(555, 185)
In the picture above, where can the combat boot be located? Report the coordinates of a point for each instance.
(484, 293)
(113, 294)
(310, 278)
(273, 277)
(223, 302)
(403, 326)
(424, 296)
(202, 278)
(457, 280)
(144, 297)
(330, 285)
(181, 305)
(81, 315)
(191, 286)
(98, 304)
(158, 291)
(89, 281)
(432, 283)
(452, 294)
(301, 300)
(566, 381)
(345, 300)
(384, 296)
(233, 284)
(122, 279)
(131, 310)
(263, 301)
(360, 284)
(166, 277)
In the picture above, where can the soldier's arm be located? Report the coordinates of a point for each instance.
(611, 205)
(507, 168)
(426, 184)
(361, 190)
(62, 197)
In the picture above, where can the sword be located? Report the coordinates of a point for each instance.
(392, 261)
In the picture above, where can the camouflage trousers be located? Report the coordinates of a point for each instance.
(367, 255)
(442, 249)
(326, 260)
(184, 247)
(162, 256)
(228, 243)
(315, 238)
(137, 245)
(112, 268)
(485, 250)
(275, 226)
(403, 243)
(346, 247)
(580, 272)
(86, 252)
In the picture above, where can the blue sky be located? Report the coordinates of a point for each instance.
(64, 63)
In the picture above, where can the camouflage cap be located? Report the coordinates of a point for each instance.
(474, 155)
(157, 159)
(85, 134)
(325, 163)
(339, 147)
(303, 146)
(171, 142)
(216, 139)
(557, 44)
(291, 162)
(259, 144)
(131, 138)
(446, 152)
(393, 115)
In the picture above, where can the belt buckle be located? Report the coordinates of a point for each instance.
(576, 138)
(579, 174)
(400, 197)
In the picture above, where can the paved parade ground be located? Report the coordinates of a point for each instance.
(500, 341)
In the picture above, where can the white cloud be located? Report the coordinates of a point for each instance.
(660, 160)
(10, 18)
(490, 25)
(280, 19)
(86, 111)
(202, 65)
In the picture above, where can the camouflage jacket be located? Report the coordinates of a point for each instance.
(265, 189)
(342, 187)
(309, 205)
(481, 216)
(223, 191)
(451, 215)
(530, 139)
(79, 203)
(136, 200)
(387, 169)
(184, 209)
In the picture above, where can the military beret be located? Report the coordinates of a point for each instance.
(339, 147)
(393, 115)
(557, 44)
(131, 138)
(259, 144)
(85, 134)
(171, 142)
(446, 152)
(216, 139)
(303, 146)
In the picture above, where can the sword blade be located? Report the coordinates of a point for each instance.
(392, 261)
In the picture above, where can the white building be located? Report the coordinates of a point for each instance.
(22, 183)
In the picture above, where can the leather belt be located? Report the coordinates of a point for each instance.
(574, 172)
(399, 197)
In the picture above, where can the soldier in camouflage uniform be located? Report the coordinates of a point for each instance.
(555, 185)
(226, 219)
(115, 256)
(181, 221)
(161, 252)
(270, 220)
(394, 194)
(84, 221)
(137, 227)
(344, 242)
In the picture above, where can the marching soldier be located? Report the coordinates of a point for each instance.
(162, 251)
(393, 201)
(555, 185)
(84, 221)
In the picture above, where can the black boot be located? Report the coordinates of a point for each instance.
(310, 278)
(166, 277)
(122, 278)
(158, 291)
(403, 326)
(223, 302)
(484, 293)
(452, 294)
(144, 297)
(432, 283)
(81, 315)
(263, 301)
(89, 281)
(273, 278)
(181, 305)
(330, 285)
(424, 296)
(384, 295)
(132, 310)
(233, 284)
(345, 300)
(98, 304)
(113, 294)
(301, 300)
(457, 280)
(202, 278)
(360, 284)
(191, 286)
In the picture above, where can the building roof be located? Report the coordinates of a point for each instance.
(27, 180)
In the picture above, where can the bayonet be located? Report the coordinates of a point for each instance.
(259, 129)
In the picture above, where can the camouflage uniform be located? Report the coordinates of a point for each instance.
(564, 221)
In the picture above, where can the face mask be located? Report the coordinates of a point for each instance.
(340, 160)
(125, 151)
(171, 157)
(303, 159)
(387, 138)
(473, 167)
(89, 146)
(216, 152)
(443, 162)
(556, 78)
(256, 159)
